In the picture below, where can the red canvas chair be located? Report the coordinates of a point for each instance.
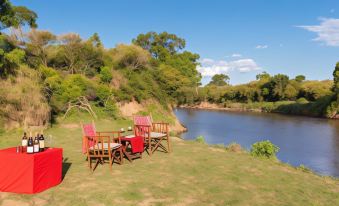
(154, 133)
(101, 145)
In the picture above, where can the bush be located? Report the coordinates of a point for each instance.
(200, 139)
(234, 147)
(105, 75)
(264, 149)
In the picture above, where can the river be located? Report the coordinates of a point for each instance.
(313, 142)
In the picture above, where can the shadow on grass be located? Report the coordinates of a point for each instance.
(65, 167)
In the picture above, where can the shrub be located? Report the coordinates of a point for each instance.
(105, 75)
(200, 139)
(264, 149)
(234, 147)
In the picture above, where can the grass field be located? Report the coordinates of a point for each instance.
(193, 174)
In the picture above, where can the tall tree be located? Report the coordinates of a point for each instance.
(336, 82)
(16, 16)
(219, 80)
(160, 45)
(36, 46)
(300, 78)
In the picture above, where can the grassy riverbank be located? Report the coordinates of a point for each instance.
(193, 174)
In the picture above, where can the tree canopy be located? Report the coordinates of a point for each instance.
(219, 80)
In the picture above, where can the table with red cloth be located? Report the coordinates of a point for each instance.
(30, 173)
(137, 146)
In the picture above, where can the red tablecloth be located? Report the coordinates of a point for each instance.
(137, 143)
(30, 173)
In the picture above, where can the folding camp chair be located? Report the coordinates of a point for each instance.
(154, 133)
(99, 146)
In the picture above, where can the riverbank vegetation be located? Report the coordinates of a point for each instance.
(277, 93)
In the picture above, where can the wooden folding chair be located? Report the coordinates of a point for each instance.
(99, 146)
(154, 134)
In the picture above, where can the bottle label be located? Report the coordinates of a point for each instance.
(29, 149)
(42, 144)
(36, 148)
(24, 142)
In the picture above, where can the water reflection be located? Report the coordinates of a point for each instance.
(313, 142)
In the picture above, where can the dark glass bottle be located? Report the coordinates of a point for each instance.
(24, 140)
(42, 142)
(30, 149)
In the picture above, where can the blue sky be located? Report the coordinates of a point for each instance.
(238, 37)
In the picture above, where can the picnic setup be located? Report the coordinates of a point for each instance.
(32, 167)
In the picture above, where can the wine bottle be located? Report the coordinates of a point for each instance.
(36, 145)
(30, 149)
(24, 140)
(42, 142)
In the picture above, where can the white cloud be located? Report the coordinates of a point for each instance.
(261, 47)
(235, 55)
(210, 68)
(327, 31)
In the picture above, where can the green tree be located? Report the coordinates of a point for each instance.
(279, 82)
(263, 76)
(95, 40)
(160, 45)
(106, 74)
(15, 16)
(131, 56)
(300, 78)
(36, 46)
(219, 80)
(335, 88)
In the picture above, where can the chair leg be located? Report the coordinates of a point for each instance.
(121, 156)
(150, 146)
(110, 163)
(168, 144)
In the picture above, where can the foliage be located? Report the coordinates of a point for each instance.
(131, 56)
(234, 147)
(37, 44)
(300, 78)
(219, 80)
(200, 139)
(160, 45)
(264, 149)
(106, 74)
(15, 16)
(21, 101)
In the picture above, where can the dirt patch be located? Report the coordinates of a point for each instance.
(216, 149)
(129, 109)
(14, 203)
(69, 126)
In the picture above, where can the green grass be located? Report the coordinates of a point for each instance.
(193, 174)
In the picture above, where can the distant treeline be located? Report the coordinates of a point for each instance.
(278, 93)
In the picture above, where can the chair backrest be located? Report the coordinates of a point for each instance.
(142, 130)
(142, 120)
(88, 130)
(101, 146)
